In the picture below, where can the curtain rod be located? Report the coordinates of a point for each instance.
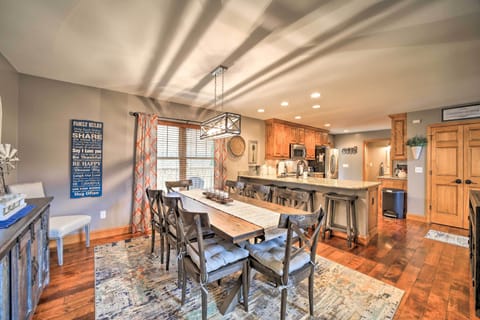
(170, 119)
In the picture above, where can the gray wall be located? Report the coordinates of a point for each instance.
(417, 181)
(45, 110)
(354, 161)
(9, 102)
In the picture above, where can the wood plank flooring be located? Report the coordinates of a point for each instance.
(435, 276)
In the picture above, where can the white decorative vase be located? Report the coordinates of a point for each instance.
(416, 151)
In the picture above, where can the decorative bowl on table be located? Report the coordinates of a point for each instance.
(218, 196)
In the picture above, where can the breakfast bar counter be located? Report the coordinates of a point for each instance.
(366, 204)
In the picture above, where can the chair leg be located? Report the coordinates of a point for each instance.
(204, 302)
(60, 251)
(153, 239)
(162, 245)
(283, 306)
(87, 235)
(167, 263)
(245, 284)
(310, 290)
(184, 285)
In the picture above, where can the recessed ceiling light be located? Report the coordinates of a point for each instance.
(346, 130)
(284, 103)
(317, 106)
(298, 117)
(327, 124)
(261, 110)
(315, 95)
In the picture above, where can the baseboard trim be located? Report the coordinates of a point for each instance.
(94, 235)
(416, 217)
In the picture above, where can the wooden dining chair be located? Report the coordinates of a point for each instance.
(208, 260)
(258, 191)
(235, 187)
(157, 219)
(285, 263)
(180, 184)
(292, 198)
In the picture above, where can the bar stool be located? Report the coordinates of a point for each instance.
(329, 224)
(311, 198)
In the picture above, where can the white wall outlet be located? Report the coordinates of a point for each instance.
(103, 214)
(418, 169)
(345, 165)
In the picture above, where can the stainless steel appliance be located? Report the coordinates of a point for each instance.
(331, 163)
(297, 151)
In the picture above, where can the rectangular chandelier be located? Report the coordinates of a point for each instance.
(222, 126)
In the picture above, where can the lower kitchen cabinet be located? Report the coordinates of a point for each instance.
(24, 262)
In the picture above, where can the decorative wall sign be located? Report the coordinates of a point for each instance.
(252, 152)
(466, 111)
(86, 159)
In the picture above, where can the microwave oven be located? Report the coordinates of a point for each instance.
(297, 151)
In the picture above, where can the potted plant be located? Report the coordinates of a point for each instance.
(416, 144)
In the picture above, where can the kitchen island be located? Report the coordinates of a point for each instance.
(366, 205)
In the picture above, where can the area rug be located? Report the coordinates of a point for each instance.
(457, 240)
(130, 283)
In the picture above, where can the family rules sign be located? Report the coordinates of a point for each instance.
(86, 159)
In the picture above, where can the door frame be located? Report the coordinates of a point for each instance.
(428, 200)
(365, 142)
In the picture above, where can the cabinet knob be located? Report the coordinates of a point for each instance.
(458, 181)
(468, 181)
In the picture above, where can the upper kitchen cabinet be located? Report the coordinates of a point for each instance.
(398, 150)
(280, 134)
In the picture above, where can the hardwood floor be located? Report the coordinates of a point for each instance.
(435, 276)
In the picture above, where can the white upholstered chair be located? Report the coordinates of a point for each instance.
(59, 226)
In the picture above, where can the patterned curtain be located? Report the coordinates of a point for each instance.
(220, 157)
(145, 174)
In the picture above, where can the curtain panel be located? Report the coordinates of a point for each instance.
(145, 171)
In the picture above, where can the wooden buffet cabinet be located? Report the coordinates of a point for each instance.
(280, 134)
(24, 262)
(398, 150)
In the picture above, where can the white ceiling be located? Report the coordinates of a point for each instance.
(367, 58)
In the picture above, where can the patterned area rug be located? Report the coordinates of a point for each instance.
(457, 240)
(130, 283)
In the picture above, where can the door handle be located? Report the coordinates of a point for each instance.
(468, 181)
(458, 181)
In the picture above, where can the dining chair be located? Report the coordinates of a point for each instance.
(157, 219)
(257, 191)
(292, 198)
(285, 263)
(208, 260)
(180, 184)
(235, 187)
(197, 182)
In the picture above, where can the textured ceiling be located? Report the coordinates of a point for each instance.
(368, 59)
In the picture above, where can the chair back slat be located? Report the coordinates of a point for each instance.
(257, 191)
(154, 198)
(236, 187)
(180, 184)
(291, 198)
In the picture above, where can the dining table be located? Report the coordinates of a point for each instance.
(238, 220)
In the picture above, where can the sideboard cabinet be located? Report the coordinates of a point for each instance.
(24, 262)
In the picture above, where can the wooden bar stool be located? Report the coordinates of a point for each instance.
(329, 224)
(311, 198)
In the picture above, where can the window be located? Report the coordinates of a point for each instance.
(182, 155)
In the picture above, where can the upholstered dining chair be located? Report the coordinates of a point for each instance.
(285, 263)
(208, 260)
(170, 212)
(157, 219)
(59, 226)
(180, 184)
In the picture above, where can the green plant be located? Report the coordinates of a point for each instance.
(417, 141)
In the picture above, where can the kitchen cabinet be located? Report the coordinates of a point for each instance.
(398, 137)
(280, 134)
(310, 144)
(24, 262)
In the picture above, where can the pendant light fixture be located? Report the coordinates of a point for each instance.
(224, 125)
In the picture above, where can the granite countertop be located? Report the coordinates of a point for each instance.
(322, 182)
(392, 177)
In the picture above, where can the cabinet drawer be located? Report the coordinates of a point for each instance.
(394, 184)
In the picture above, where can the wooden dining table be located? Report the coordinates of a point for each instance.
(234, 227)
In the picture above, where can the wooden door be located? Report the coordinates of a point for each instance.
(447, 191)
(471, 164)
